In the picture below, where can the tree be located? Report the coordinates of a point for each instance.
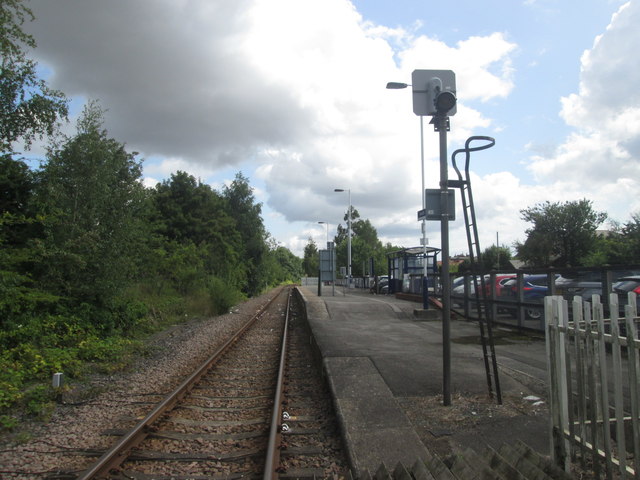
(13, 14)
(563, 234)
(311, 260)
(290, 264)
(631, 239)
(341, 232)
(16, 190)
(186, 211)
(365, 246)
(16, 185)
(282, 265)
(496, 258)
(248, 216)
(18, 228)
(618, 246)
(29, 109)
(92, 202)
(492, 258)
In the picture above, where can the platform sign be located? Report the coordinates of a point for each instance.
(327, 265)
(432, 201)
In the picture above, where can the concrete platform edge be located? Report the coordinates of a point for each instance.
(371, 420)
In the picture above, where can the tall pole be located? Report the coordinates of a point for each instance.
(441, 124)
(348, 235)
(434, 94)
(327, 225)
(425, 282)
(349, 241)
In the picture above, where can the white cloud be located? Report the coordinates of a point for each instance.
(602, 155)
(482, 64)
(170, 73)
(296, 88)
(366, 138)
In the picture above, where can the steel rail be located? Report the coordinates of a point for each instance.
(272, 460)
(117, 454)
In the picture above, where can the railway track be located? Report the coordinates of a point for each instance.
(257, 408)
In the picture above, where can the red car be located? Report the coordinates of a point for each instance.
(500, 281)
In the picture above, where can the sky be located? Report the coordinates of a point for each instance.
(292, 94)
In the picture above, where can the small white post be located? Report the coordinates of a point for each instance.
(56, 381)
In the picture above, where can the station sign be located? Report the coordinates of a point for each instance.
(432, 201)
(327, 265)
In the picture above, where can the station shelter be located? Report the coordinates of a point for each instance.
(406, 269)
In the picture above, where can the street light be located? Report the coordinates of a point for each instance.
(397, 85)
(425, 281)
(348, 235)
(327, 224)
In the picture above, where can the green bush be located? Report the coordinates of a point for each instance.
(11, 382)
(39, 363)
(39, 400)
(222, 296)
(35, 347)
(110, 349)
(8, 422)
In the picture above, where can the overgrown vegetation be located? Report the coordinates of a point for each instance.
(90, 259)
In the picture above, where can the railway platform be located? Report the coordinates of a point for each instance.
(384, 368)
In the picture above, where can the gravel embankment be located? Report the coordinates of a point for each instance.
(60, 445)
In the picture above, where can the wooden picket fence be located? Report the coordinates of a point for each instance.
(594, 375)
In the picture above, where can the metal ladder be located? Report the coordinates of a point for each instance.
(485, 312)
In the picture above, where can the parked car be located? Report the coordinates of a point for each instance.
(534, 288)
(457, 291)
(501, 280)
(586, 284)
(457, 286)
(583, 287)
(382, 286)
(625, 285)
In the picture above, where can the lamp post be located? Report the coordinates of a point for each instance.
(348, 235)
(425, 282)
(327, 224)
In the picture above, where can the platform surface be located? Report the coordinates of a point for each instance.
(379, 355)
